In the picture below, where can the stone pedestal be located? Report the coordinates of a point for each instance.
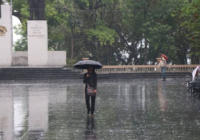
(5, 36)
(37, 43)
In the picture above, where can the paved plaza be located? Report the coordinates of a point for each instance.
(142, 109)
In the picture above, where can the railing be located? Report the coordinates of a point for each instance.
(144, 68)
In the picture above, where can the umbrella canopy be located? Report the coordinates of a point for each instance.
(194, 72)
(162, 55)
(86, 63)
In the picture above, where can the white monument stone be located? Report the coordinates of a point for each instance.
(37, 43)
(56, 58)
(5, 36)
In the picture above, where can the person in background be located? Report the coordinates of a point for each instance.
(162, 64)
(90, 78)
(197, 75)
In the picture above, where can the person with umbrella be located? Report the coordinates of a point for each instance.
(162, 64)
(90, 81)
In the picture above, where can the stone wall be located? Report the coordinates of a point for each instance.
(20, 58)
(55, 58)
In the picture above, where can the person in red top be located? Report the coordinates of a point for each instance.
(162, 64)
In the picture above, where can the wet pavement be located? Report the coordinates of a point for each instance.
(143, 109)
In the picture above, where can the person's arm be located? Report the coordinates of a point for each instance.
(95, 83)
(95, 86)
(85, 78)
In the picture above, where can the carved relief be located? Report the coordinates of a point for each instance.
(3, 30)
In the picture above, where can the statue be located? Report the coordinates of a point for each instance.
(37, 9)
(0, 10)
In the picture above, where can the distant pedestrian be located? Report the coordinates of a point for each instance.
(162, 64)
(197, 75)
(90, 81)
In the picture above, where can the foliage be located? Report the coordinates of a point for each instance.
(71, 62)
(103, 34)
(118, 31)
(191, 14)
(21, 45)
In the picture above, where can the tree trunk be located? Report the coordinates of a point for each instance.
(145, 52)
(108, 55)
(66, 47)
(145, 34)
(72, 46)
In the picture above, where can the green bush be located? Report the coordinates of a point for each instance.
(70, 62)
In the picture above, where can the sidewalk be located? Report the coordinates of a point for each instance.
(125, 110)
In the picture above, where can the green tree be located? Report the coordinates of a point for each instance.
(191, 13)
(99, 35)
(105, 30)
(149, 29)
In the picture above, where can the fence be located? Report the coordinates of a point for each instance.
(144, 68)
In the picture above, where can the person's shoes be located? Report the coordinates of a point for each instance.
(163, 79)
(92, 115)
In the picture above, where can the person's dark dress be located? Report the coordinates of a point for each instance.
(92, 81)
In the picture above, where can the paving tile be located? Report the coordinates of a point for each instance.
(125, 110)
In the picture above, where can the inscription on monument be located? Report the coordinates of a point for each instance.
(37, 32)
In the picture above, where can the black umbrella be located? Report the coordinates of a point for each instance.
(86, 63)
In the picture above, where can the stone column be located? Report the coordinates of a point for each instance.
(37, 43)
(5, 36)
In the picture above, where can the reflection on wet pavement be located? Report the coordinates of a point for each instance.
(125, 110)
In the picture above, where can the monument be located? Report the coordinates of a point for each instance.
(5, 36)
(37, 34)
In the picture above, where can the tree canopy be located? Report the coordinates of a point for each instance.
(120, 32)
